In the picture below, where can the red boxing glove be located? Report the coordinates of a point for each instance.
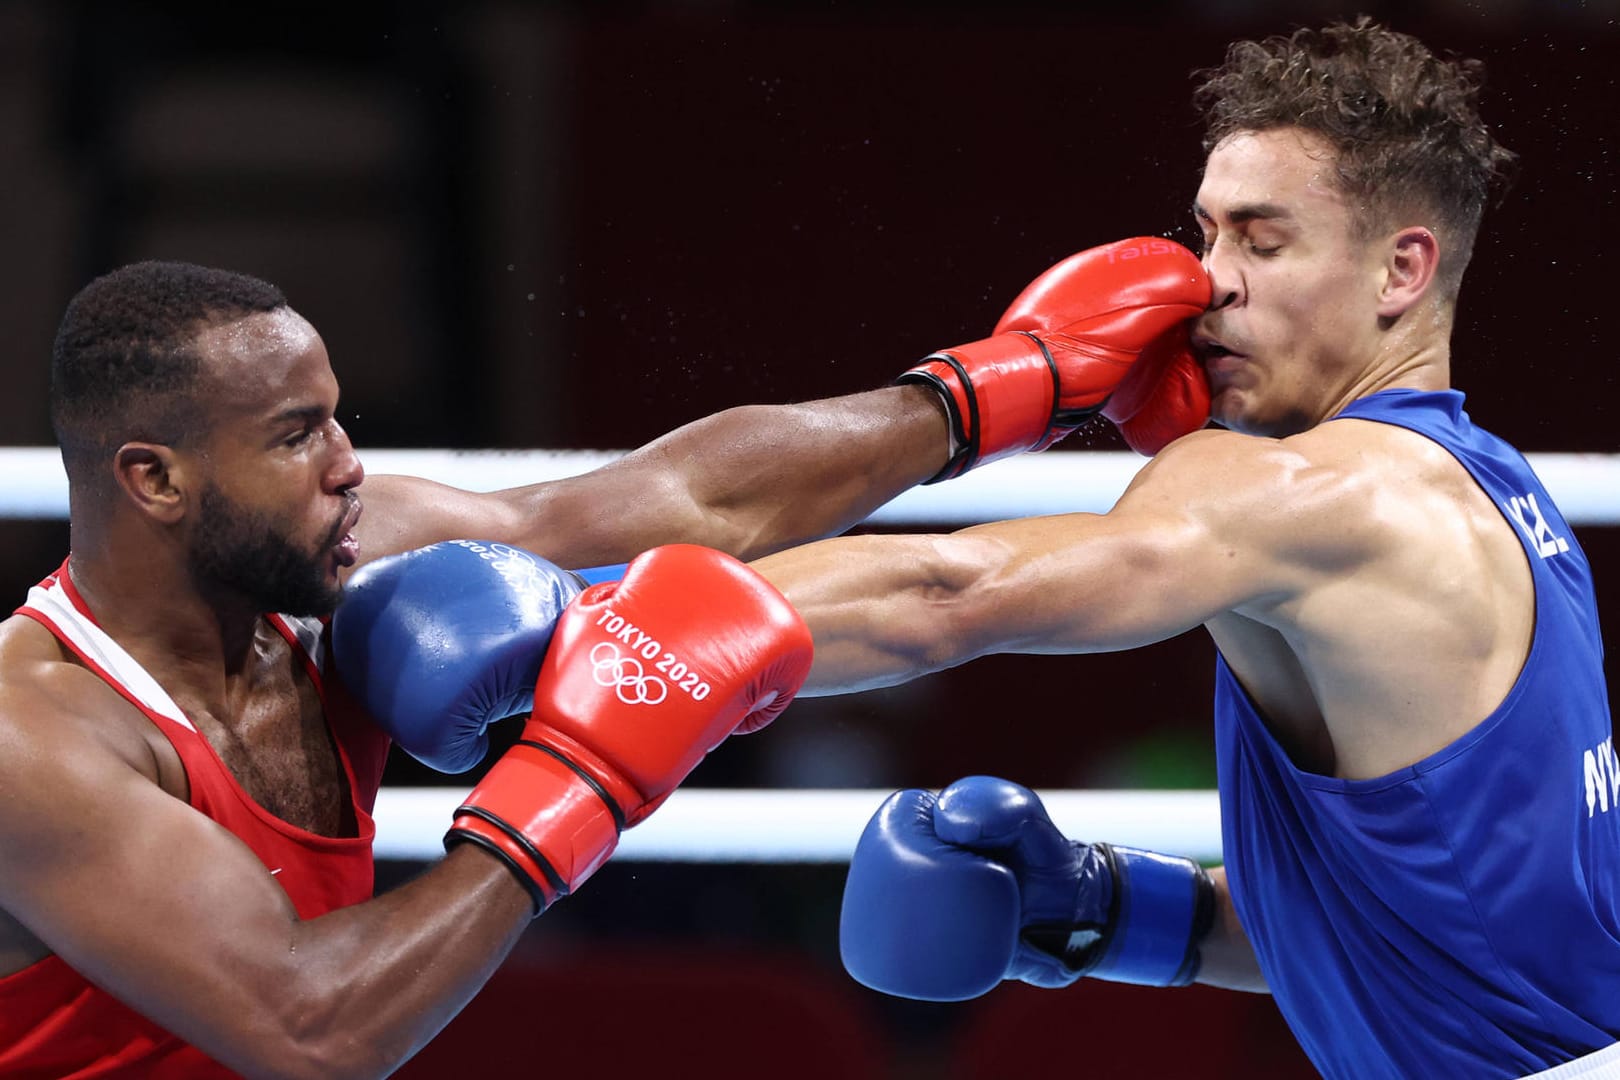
(1062, 348)
(644, 677)
(1165, 395)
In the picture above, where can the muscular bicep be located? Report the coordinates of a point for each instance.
(1094, 582)
(133, 888)
(1170, 556)
(1219, 523)
(885, 609)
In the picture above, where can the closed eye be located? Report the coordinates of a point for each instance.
(299, 424)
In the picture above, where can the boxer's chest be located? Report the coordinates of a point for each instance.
(276, 743)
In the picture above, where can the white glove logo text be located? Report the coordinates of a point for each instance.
(521, 571)
(612, 668)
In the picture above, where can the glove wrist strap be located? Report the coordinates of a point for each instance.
(1161, 910)
(544, 817)
(941, 374)
(1001, 396)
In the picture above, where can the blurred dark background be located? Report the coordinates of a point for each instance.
(569, 225)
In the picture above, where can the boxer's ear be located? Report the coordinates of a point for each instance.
(152, 477)
(1411, 262)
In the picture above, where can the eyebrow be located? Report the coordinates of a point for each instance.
(1245, 212)
(305, 413)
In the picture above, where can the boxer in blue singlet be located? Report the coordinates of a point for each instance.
(1418, 778)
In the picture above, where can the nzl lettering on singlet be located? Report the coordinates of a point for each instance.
(1602, 771)
(1523, 509)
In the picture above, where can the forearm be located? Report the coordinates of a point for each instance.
(887, 608)
(756, 479)
(1226, 958)
(358, 991)
(882, 609)
(443, 935)
(787, 474)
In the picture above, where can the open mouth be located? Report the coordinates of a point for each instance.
(1221, 362)
(1212, 351)
(344, 546)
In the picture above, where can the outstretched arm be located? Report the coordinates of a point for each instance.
(1183, 546)
(1102, 331)
(748, 480)
(1173, 553)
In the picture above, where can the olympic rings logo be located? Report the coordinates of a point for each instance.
(521, 571)
(630, 682)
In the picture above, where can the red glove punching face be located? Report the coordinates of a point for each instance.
(1164, 396)
(1063, 348)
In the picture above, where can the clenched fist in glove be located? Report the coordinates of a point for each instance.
(643, 677)
(949, 895)
(1102, 331)
(440, 642)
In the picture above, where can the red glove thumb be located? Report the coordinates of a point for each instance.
(1164, 396)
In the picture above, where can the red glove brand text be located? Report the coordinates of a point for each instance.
(626, 672)
(1119, 252)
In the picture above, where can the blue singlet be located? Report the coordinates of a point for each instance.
(1459, 917)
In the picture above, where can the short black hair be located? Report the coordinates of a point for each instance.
(125, 357)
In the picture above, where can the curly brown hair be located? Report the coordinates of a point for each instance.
(1403, 122)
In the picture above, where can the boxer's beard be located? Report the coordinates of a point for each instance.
(241, 552)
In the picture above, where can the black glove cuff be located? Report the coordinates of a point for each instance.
(964, 450)
(536, 893)
(1161, 909)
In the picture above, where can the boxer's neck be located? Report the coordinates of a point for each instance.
(155, 612)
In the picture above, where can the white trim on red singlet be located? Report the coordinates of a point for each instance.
(51, 602)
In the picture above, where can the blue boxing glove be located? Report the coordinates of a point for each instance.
(440, 642)
(949, 895)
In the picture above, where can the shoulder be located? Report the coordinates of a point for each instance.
(28, 652)
(1336, 492)
(1219, 474)
(53, 706)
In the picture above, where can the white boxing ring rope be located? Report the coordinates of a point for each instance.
(713, 825)
(813, 826)
(1585, 486)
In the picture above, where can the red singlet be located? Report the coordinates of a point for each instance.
(53, 1022)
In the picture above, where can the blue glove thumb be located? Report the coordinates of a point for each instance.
(1065, 887)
